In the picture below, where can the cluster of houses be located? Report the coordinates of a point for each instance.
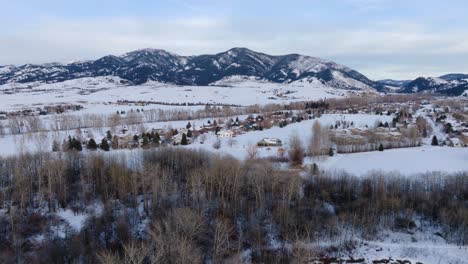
(455, 128)
(402, 132)
(46, 110)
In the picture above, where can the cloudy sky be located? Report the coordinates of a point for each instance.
(399, 39)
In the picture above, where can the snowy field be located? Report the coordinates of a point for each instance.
(405, 161)
(420, 245)
(93, 93)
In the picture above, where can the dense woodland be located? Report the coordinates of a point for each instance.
(172, 205)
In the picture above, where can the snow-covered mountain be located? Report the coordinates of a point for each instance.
(394, 83)
(454, 76)
(145, 65)
(453, 84)
(445, 85)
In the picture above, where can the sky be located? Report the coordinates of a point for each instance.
(397, 39)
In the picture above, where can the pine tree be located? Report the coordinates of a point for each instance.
(330, 152)
(435, 142)
(188, 126)
(70, 143)
(189, 133)
(109, 135)
(105, 145)
(157, 138)
(77, 145)
(315, 169)
(184, 140)
(92, 144)
(55, 146)
(381, 147)
(145, 142)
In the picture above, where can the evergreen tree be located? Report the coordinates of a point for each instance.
(315, 169)
(109, 135)
(448, 128)
(78, 145)
(184, 140)
(105, 145)
(70, 143)
(145, 142)
(135, 137)
(189, 133)
(74, 144)
(157, 138)
(92, 144)
(330, 152)
(55, 146)
(188, 126)
(381, 147)
(435, 142)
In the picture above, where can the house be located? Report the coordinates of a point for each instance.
(125, 141)
(270, 142)
(226, 134)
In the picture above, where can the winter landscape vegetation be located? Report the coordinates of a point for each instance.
(230, 157)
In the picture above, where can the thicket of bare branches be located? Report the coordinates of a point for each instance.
(172, 205)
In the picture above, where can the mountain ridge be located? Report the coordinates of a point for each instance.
(452, 84)
(143, 65)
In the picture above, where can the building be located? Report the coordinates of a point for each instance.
(270, 142)
(226, 134)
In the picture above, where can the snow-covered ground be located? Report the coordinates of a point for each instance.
(92, 92)
(303, 129)
(405, 161)
(417, 246)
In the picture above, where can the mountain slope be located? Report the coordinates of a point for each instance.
(443, 85)
(145, 65)
(394, 83)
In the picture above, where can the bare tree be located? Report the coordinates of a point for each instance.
(296, 151)
(252, 152)
(221, 239)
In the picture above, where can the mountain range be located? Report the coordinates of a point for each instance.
(454, 84)
(141, 66)
(145, 65)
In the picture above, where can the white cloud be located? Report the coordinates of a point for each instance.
(66, 40)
